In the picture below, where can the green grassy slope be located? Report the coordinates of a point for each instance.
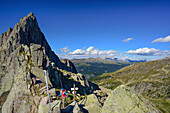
(96, 66)
(151, 79)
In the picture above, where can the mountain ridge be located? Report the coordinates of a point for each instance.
(151, 79)
(24, 55)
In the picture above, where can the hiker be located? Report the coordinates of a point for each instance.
(63, 94)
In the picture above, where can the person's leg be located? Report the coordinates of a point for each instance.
(63, 99)
(63, 102)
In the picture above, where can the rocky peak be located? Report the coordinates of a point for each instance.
(24, 55)
(29, 26)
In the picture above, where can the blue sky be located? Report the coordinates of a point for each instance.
(135, 29)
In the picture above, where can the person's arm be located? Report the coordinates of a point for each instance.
(60, 94)
(65, 93)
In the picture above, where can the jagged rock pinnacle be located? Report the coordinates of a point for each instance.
(30, 15)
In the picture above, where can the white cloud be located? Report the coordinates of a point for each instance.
(63, 50)
(95, 52)
(78, 52)
(92, 52)
(143, 51)
(163, 53)
(127, 40)
(90, 48)
(166, 39)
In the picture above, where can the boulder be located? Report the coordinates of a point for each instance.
(91, 104)
(123, 100)
(73, 108)
(52, 92)
(55, 107)
(77, 109)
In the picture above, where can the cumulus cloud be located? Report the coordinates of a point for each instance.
(166, 39)
(143, 51)
(127, 40)
(92, 52)
(78, 52)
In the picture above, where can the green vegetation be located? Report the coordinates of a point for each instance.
(29, 63)
(70, 78)
(0, 53)
(69, 99)
(44, 95)
(151, 79)
(4, 60)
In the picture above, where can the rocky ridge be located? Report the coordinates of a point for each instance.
(24, 54)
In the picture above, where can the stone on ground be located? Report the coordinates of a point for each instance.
(56, 107)
(91, 104)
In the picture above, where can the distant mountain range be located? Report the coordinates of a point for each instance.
(91, 67)
(128, 60)
(151, 79)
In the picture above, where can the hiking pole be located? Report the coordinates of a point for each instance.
(45, 73)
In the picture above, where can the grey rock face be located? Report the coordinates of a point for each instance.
(55, 107)
(122, 100)
(91, 104)
(73, 108)
(24, 54)
(69, 65)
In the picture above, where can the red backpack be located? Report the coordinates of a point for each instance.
(63, 94)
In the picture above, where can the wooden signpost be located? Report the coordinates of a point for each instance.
(74, 91)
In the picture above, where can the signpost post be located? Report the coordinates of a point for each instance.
(74, 90)
(45, 73)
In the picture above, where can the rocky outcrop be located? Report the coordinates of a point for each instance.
(91, 104)
(24, 54)
(73, 108)
(55, 107)
(123, 100)
(69, 65)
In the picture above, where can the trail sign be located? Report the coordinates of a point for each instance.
(74, 91)
(75, 88)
